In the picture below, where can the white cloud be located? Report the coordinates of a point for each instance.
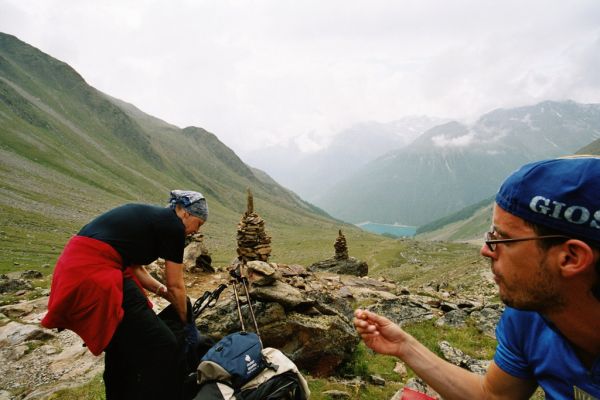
(459, 141)
(268, 71)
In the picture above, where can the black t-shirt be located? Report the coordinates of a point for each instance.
(140, 233)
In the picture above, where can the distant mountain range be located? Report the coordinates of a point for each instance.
(311, 174)
(454, 165)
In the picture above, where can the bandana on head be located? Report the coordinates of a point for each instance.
(192, 202)
(561, 194)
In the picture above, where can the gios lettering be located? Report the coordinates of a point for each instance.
(575, 214)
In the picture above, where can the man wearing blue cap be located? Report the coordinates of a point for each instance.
(98, 292)
(544, 248)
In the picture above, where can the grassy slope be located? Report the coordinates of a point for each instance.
(592, 148)
(469, 223)
(69, 152)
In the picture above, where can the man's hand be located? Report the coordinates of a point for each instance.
(379, 333)
(450, 381)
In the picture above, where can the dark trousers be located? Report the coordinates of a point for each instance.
(143, 359)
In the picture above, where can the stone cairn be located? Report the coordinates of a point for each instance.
(253, 242)
(196, 256)
(341, 262)
(341, 247)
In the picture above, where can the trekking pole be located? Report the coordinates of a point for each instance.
(238, 278)
(245, 285)
(239, 307)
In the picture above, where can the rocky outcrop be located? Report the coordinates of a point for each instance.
(195, 256)
(8, 285)
(458, 357)
(301, 318)
(38, 361)
(349, 266)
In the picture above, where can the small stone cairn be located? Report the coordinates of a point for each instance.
(341, 247)
(341, 262)
(253, 242)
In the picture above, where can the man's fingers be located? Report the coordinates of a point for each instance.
(370, 317)
(365, 327)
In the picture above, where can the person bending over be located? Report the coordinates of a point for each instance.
(97, 292)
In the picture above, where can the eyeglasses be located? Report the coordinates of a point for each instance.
(491, 242)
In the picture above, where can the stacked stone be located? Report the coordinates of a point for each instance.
(196, 255)
(341, 247)
(253, 241)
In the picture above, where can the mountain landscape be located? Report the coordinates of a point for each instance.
(468, 224)
(69, 152)
(454, 165)
(310, 174)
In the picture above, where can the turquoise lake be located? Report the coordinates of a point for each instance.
(395, 229)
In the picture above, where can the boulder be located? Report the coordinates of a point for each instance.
(453, 318)
(14, 285)
(348, 266)
(280, 292)
(31, 274)
(15, 333)
(457, 357)
(40, 361)
(261, 273)
(195, 255)
(487, 318)
(404, 309)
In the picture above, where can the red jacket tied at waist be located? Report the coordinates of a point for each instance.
(87, 292)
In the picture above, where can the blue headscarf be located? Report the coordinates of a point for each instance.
(192, 202)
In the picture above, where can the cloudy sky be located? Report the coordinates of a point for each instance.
(269, 71)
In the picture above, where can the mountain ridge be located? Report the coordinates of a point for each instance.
(310, 173)
(453, 165)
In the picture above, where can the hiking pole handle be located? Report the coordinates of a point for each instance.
(208, 299)
(215, 295)
(237, 274)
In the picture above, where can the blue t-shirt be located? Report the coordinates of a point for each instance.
(529, 347)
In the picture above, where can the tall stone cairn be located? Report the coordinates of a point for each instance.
(253, 242)
(341, 247)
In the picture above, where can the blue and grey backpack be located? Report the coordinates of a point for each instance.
(235, 359)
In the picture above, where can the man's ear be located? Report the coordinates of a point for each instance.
(576, 257)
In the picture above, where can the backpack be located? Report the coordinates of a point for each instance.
(280, 380)
(235, 359)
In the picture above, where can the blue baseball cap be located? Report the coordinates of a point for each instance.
(561, 194)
